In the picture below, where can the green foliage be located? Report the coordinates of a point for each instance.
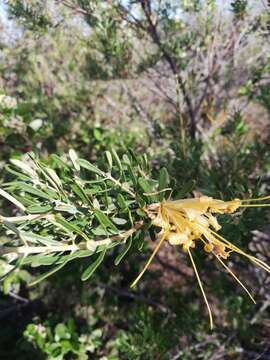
(62, 339)
(164, 79)
(80, 212)
(239, 7)
(33, 14)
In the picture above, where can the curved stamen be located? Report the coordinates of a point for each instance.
(258, 262)
(235, 277)
(150, 259)
(254, 205)
(257, 199)
(202, 290)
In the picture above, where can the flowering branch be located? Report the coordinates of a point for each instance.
(77, 209)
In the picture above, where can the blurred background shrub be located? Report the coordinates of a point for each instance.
(185, 82)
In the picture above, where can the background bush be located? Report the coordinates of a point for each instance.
(185, 82)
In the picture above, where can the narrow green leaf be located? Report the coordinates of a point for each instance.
(38, 239)
(67, 208)
(145, 185)
(139, 238)
(132, 156)
(34, 191)
(140, 212)
(41, 260)
(117, 160)
(47, 274)
(97, 134)
(93, 267)
(80, 254)
(12, 199)
(163, 179)
(132, 175)
(124, 252)
(99, 231)
(119, 221)
(104, 220)
(50, 175)
(39, 209)
(121, 201)
(47, 260)
(145, 163)
(109, 159)
(17, 174)
(79, 191)
(12, 227)
(69, 226)
(54, 177)
(59, 161)
(26, 200)
(74, 159)
(87, 165)
(187, 188)
(94, 190)
(126, 159)
(24, 167)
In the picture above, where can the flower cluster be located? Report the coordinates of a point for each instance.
(186, 222)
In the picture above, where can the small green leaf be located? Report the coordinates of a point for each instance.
(92, 268)
(104, 220)
(116, 158)
(69, 226)
(74, 159)
(121, 201)
(67, 208)
(132, 156)
(54, 177)
(140, 212)
(79, 254)
(132, 175)
(38, 239)
(18, 174)
(12, 227)
(99, 231)
(34, 191)
(61, 332)
(39, 209)
(94, 190)
(139, 237)
(144, 184)
(47, 274)
(124, 252)
(24, 167)
(12, 199)
(87, 165)
(97, 134)
(38, 260)
(126, 159)
(50, 175)
(59, 161)
(109, 159)
(145, 162)
(148, 186)
(78, 190)
(163, 179)
(187, 188)
(119, 221)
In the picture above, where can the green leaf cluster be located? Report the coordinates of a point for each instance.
(76, 209)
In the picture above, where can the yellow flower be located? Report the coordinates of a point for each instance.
(186, 222)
